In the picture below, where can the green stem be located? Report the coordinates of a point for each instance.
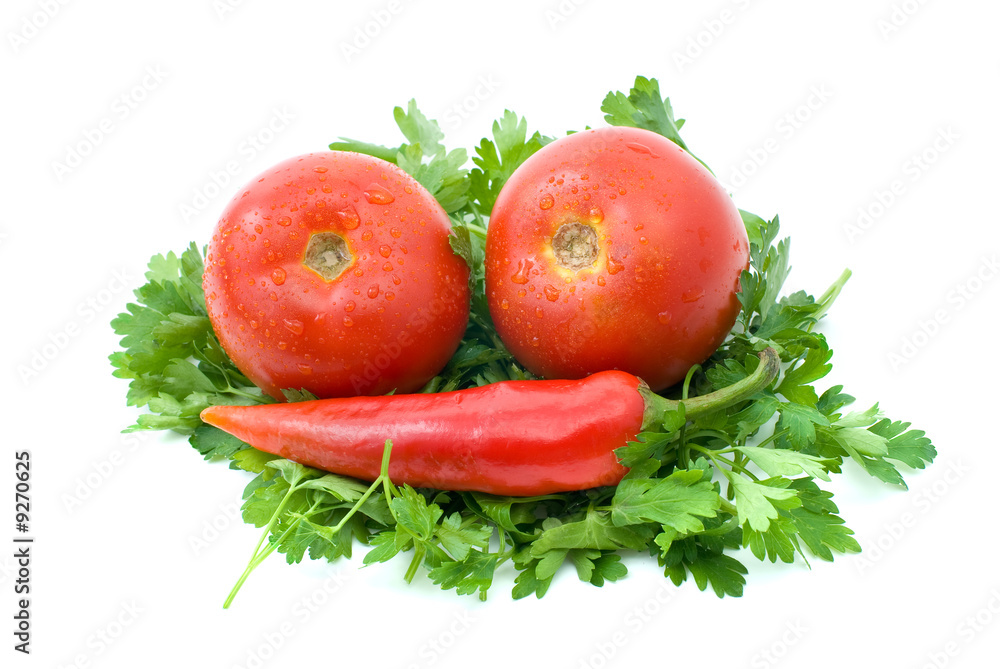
(761, 378)
(256, 551)
(825, 300)
(259, 555)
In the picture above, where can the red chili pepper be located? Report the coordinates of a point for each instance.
(510, 438)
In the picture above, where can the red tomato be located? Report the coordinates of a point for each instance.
(333, 272)
(614, 249)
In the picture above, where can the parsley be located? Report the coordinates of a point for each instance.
(700, 487)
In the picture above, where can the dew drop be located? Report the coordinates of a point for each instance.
(389, 295)
(282, 345)
(366, 235)
(254, 324)
(551, 293)
(596, 215)
(534, 341)
(538, 312)
(521, 275)
(320, 169)
(373, 291)
(601, 281)
(385, 250)
(504, 304)
(348, 217)
(285, 221)
(614, 266)
(664, 317)
(278, 276)
(258, 228)
(692, 295)
(395, 232)
(396, 280)
(348, 321)
(641, 148)
(295, 327)
(376, 194)
(547, 202)
(305, 369)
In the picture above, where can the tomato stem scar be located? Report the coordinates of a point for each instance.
(327, 255)
(575, 246)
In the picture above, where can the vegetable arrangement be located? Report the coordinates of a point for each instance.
(605, 250)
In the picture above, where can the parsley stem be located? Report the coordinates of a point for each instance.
(774, 435)
(267, 532)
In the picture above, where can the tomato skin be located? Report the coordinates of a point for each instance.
(389, 321)
(669, 246)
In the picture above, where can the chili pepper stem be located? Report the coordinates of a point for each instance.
(760, 378)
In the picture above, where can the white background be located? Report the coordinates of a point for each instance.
(871, 87)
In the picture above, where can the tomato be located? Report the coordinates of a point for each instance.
(614, 249)
(333, 272)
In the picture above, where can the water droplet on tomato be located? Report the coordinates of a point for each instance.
(348, 217)
(538, 312)
(348, 321)
(504, 304)
(349, 306)
(278, 276)
(551, 293)
(373, 291)
(596, 215)
(547, 202)
(385, 250)
(523, 267)
(614, 266)
(366, 235)
(376, 194)
(305, 369)
(534, 341)
(641, 148)
(285, 221)
(389, 295)
(254, 324)
(295, 327)
(407, 190)
(396, 280)
(319, 169)
(601, 281)
(664, 317)
(692, 295)
(282, 345)
(259, 228)
(395, 232)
